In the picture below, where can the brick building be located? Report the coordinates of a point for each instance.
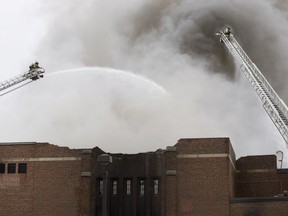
(193, 177)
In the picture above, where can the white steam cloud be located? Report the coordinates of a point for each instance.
(171, 43)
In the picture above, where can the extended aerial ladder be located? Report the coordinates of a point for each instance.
(272, 103)
(35, 72)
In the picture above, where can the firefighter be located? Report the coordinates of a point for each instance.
(34, 66)
(32, 71)
(227, 32)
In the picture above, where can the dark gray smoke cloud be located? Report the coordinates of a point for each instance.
(258, 25)
(174, 44)
(188, 25)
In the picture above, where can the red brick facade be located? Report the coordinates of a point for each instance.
(52, 184)
(193, 177)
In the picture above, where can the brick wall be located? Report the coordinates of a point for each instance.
(16, 189)
(259, 187)
(257, 177)
(204, 176)
(170, 182)
(87, 184)
(196, 177)
(52, 184)
(272, 207)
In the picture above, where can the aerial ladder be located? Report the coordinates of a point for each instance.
(272, 103)
(35, 72)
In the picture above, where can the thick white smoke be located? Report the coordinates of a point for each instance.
(169, 42)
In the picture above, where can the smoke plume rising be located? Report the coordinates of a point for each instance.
(172, 43)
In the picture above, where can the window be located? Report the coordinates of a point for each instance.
(142, 187)
(155, 186)
(2, 168)
(22, 168)
(114, 187)
(128, 186)
(101, 187)
(11, 168)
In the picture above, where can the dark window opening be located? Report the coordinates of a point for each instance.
(114, 187)
(101, 187)
(2, 168)
(155, 186)
(142, 187)
(11, 168)
(22, 168)
(128, 186)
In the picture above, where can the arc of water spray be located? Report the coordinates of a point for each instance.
(115, 71)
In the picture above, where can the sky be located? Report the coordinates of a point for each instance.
(133, 76)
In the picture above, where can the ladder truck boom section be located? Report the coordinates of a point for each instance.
(35, 72)
(272, 103)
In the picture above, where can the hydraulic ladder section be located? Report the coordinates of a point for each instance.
(33, 74)
(272, 103)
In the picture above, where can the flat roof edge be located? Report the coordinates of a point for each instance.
(17, 143)
(257, 199)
